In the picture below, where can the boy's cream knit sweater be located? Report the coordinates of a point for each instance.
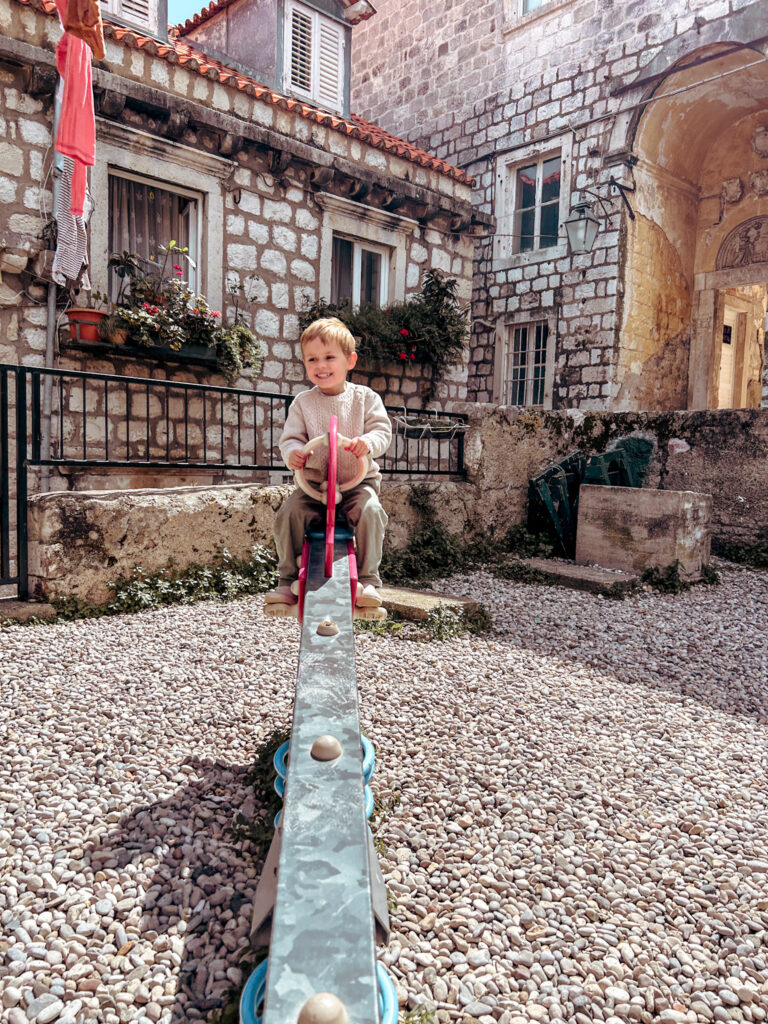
(360, 412)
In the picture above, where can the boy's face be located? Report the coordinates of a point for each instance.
(326, 365)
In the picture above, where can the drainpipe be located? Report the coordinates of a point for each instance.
(50, 338)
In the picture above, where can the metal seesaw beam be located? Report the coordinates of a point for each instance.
(323, 922)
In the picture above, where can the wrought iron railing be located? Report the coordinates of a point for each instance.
(75, 419)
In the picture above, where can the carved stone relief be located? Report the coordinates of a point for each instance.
(760, 141)
(758, 182)
(732, 191)
(746, 244)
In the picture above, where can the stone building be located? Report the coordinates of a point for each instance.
(655, 115)
(246, 148)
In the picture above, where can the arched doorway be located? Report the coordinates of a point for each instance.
(692, 332)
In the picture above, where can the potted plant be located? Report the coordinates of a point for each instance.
(155, 308)
(429, 331)
(85, 321)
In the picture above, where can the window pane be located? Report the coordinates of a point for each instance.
(525, 228)
(550, 180)
(370, 278)
(531, 5)
(526, 187)
(341, 271)
(144, 216)
(549, 225)
(539, 363)
(518, 367)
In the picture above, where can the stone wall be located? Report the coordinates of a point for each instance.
(489, 89)
(81, 541)
(267, 232)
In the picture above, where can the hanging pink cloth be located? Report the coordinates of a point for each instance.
(76, 136)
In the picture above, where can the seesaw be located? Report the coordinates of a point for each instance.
(321, 901)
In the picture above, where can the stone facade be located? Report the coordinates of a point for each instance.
(668, 101)
(275, 180)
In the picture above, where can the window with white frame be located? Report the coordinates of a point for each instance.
(359, 273)
(145, 215)
(531, 202)
(526, 369)
(314, 56)
(537, 204)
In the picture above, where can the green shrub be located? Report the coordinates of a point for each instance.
(430, 330)
(224, 579)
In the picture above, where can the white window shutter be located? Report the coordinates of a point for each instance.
(300, 52)
(330, 65)
(142, 13)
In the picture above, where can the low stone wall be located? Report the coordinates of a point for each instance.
(719, 452)
(80, 541)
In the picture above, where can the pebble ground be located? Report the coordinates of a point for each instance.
(577, 823)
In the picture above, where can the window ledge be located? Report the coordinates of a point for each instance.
(512, 22)
(526, 259)
(198, 355)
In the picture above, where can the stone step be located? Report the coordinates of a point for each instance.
(592, 578)
(23, 610)
(417, 604)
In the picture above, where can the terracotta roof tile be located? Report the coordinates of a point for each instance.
(179, 51)
(216, 6)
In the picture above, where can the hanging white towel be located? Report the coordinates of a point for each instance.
(70, 265)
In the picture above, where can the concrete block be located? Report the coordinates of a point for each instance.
(634, 529)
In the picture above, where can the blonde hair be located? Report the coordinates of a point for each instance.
(328, 330)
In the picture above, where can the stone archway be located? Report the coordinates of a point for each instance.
(701, 174)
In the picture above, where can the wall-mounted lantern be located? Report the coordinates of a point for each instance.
(581, 228)
(582, 224)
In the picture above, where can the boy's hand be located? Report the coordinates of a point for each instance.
(358, 446)
(297, 460)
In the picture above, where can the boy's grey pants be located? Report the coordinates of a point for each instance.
(363, 512)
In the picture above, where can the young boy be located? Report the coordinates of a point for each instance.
(328, 354)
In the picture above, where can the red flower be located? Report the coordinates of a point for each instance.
(403, 355)
(413, 355)
(404, 332)
(176, 267)
(215, 312)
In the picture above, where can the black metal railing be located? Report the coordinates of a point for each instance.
(75, 419)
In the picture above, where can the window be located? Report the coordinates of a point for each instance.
(526, 6)
(137, 12)
(532, 199)
(359, 273)
(537, 205)
(314, 56)
(527, 365)
(143, 215)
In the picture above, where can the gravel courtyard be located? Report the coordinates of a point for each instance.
(581, 833)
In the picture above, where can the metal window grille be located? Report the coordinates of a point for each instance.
(527, 364)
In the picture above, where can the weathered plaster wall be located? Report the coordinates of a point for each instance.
(652, 370)
(81, 541)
